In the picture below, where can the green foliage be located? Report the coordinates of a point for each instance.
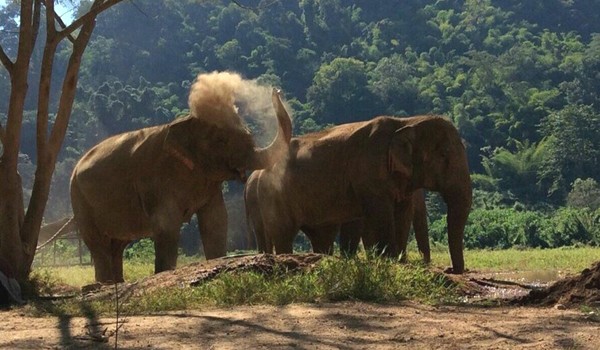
(574, 136)
(519, 79)
(517, 172)
(585, 194)
(565, 228)
(142, 250)
(340, 92)
(502, 228)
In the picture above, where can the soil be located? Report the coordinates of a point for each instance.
(519, 317)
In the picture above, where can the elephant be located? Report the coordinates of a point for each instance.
(350, 233)
(363, 171)
(147, 182)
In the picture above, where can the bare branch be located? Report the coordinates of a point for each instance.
(49, 4)
(97, 7)
(8, 64)
(36, 22)
(50, 27)
(69, 87)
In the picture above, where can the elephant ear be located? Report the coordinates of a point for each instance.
(178, 142)
(400, 152)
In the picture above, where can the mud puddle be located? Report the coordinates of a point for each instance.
(510, 284)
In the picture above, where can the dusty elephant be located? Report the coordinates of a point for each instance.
(147, 182)
(363, 170)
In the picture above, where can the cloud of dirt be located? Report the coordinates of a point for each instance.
(225, 98)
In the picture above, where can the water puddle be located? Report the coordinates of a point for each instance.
(536, 278)
(511, 284)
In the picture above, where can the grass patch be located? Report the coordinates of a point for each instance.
(566, 259)
(333, 279)
(361, 278)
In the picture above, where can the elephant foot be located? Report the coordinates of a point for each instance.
(452, 271)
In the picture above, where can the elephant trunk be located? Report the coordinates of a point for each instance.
(266, 157)
(459, 205)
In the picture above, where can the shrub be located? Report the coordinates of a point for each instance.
(503, 228)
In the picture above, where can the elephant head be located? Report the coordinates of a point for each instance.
(213, 136)
(428, 153)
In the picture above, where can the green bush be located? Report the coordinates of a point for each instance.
(503, 228)
(142, 250)
(565, 228)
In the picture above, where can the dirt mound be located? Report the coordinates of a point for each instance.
(583, 289)
(474, 287)
(200, 272)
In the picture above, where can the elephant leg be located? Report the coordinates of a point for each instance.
(99, 246)
(255, 225)
(100, 250)
(350, 234)
(117, 248)
(403, 214)
(420, 225)
(379, 221)
(166, 244)
(322, 238)
(212, 222)
(278, 227)
(282, 237)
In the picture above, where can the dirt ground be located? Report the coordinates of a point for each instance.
(347, 325)
(559, 324)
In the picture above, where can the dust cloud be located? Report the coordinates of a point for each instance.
(225, 97)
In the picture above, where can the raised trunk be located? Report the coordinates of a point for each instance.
(266, 157)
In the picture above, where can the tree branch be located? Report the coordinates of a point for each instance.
(97, 7)
(6, 62)
(69, 87)
(36, 22)
(49, 4)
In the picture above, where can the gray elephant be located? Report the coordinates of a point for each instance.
(365, 170)
(147, 182)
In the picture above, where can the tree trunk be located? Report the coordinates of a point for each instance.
(19, 231)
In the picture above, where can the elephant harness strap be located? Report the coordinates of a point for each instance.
(185, 160)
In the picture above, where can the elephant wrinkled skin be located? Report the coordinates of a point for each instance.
(146, 183)
(365, 170)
